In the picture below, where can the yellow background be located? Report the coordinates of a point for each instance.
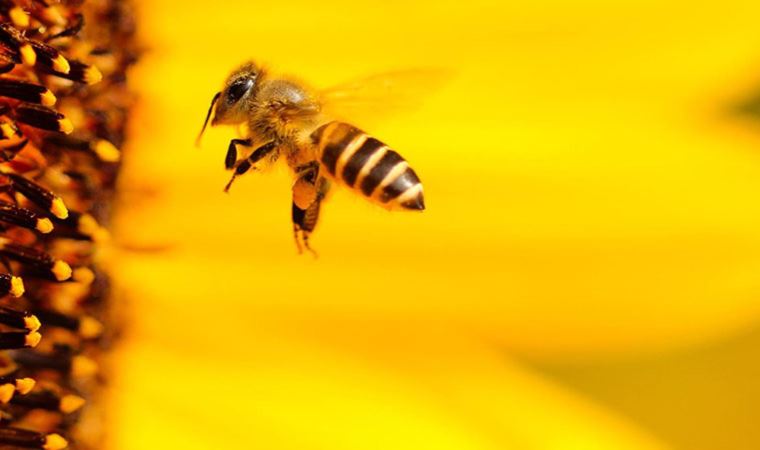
(585, 275)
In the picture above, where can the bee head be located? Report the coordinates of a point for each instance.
(240, 86)
(231, 104)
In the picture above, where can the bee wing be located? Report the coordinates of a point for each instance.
(370, 99)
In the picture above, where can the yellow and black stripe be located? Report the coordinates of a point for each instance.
(362, 162)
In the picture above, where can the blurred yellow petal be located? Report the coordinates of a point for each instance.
(585, 196)
(238, 382)
(701, 398)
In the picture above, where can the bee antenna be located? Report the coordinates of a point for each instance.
(208, 116)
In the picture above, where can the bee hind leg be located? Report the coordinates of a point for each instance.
(303, 225)
(305, 220)
(302, 241)
(297, 238)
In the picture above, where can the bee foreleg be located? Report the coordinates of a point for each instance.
(231, 158)
(245, 165)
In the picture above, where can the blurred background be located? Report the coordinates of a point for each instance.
(584, 276)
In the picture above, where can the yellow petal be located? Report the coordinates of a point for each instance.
(437, 391)
(583, 198)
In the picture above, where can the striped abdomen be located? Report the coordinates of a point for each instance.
(362, 162)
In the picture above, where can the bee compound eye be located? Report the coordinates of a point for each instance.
(238, 89)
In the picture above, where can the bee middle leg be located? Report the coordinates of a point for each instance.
(244, 165)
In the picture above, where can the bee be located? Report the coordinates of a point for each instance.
(283, 119)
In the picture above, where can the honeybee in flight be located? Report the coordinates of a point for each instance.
(285, 120)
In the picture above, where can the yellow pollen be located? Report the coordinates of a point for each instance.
(65, 126)
(55, 442)
(61, 270)
(32, 323)
(60, 64)
(90, 328)
(7, 130)
(47, 98)
(87, 224)
(92, 75)
(19, 17)
(6, 392)
(17, 286)
(25, 385)
(28, 55)
(58, 208)
(44, 225)
(106, 151)
(71, 403)
(32, 339)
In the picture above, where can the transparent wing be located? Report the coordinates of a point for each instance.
(371, 99)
